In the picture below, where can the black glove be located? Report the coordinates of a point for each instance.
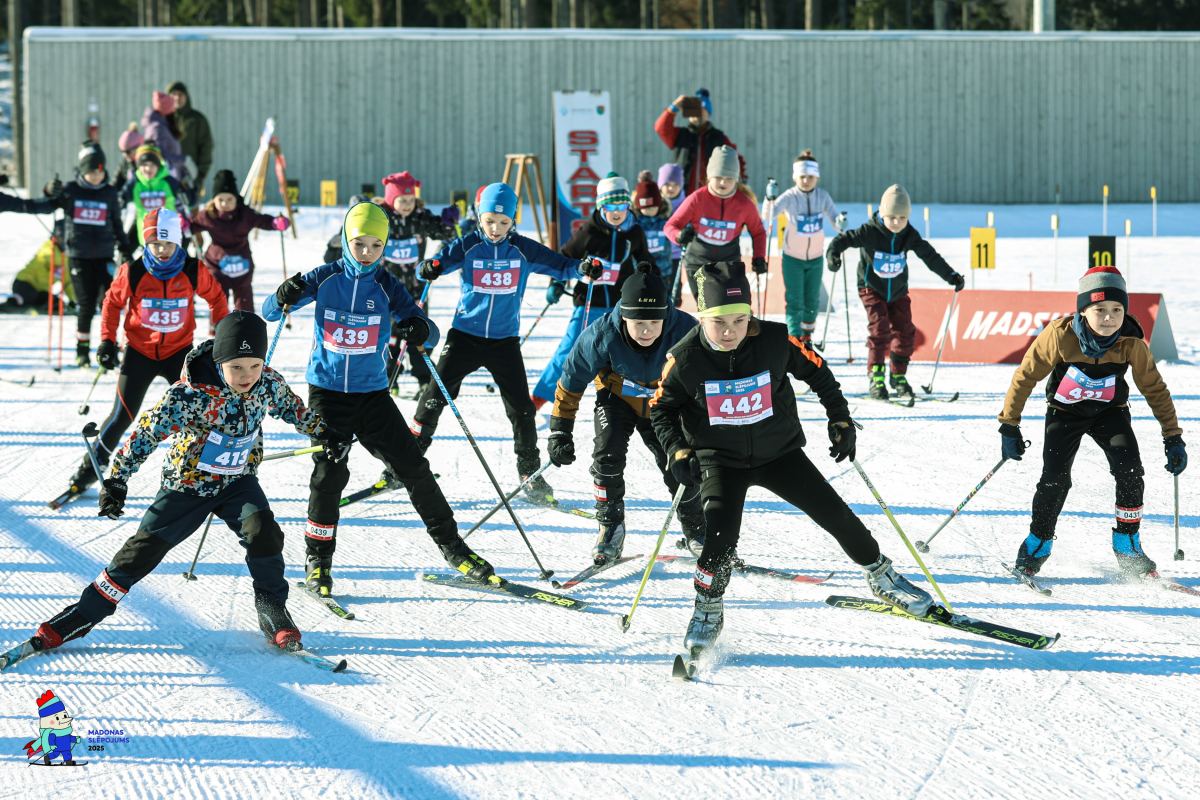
(414, 330)
(289, 292)
(430, 269)
(686, 235)
(833, 261)
(1176, 454)
(1012, 446)
(686, 467)
(54, 188)
(555, 291)
(112, 498)
(843, 438)
(561, 448)
(336, 444)
(591, 268)
(958, 282)
(126, 256)
(759, 265)
(106, 354)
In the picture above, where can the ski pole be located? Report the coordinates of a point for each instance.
(1178, 552)
(404, 347)
(303, 451)
(85, 408)
(275, 340)
(900, 531)
(190, 574)
(625, 620)
(511, 495)
(62, 299)
(534, 325)
(26, 384)
(677, 284)
(945, 331)
(545, 573)
(828, 309)
(88, 432)
(283, 253)
(587, 307)
(50, 301)
(772, 188)
(849, 338)
(924, 546)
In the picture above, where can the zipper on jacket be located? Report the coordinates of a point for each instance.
(346, 380)
(487, 326)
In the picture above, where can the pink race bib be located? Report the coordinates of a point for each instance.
(716, 231)
(739, 402)
(495, 277)
(164, 314)
(152, 200)
(350, 334)
(90, 212)
(1076, 387)
(610, 274)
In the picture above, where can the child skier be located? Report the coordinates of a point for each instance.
(651, 213)
(156, 293)
(725, 410)
(93, 229)
(496, 262)
(153, 187)
(1085, 358)
(611, 237)
(883, 244)
(228, 221)
(216, 410)
(670, 184)
(709, 223)
(804, 243)
(410, 225)
(355, 301)
(624, 353)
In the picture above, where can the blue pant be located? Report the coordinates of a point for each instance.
(553, 371)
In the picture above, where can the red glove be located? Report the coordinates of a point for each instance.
(281, 223)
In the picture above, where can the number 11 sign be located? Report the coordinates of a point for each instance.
(983, 248)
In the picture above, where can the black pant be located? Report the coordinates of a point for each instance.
(137, 373)
(90, 279)
(1113, 431)
(463, 354)
(615, 423)
(380, 427)
(172, 518)
(794, 478)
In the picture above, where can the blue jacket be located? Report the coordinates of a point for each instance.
(490, 305)
(657, 237)
(349, 311)
(602, 353)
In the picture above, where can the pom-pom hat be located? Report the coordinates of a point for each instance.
(1100, 284)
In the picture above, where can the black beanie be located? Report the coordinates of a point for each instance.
(644, 295)
(91, 156)
(242, 334)
(722, 288)
(224, 182)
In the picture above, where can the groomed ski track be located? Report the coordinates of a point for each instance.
(454, 694)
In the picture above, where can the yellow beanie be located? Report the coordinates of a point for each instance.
(366, 219)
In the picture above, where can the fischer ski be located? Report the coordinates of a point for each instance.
(592, 571)
(379, 487)
(959, 622)
(751, 569)
(332, 605)
(296, 650)
(556, 506)
(1026, 579)
(509, 588)
(69, 496)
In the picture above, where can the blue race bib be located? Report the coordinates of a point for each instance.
(889, 265)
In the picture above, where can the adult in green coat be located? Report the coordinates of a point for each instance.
(196, 140)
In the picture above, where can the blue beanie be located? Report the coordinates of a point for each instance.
(498, 198)
(705, 100)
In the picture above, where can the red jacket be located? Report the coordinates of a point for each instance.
(736, 209)
(160, 315)
(693, 149)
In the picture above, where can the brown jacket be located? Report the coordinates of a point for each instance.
(1056, 349)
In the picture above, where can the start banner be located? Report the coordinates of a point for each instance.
(997, 327)
(582, 155)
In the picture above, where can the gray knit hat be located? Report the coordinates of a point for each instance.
(1099, 284)
(723, 163)
(895, 202)
(612, 189)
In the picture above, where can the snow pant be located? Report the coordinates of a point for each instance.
(802, 293)
(676, 283)
(239, 288)
(795, 480)
(548, 382)
(889, 325)
(407, 275)
(461, 355)
(1113, 431)
(90, 279)
(381, 430)
(172, 518)
(615, 423)
(136, 375)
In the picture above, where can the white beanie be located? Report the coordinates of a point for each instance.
(723, 163)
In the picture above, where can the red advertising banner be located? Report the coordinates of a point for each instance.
(997, 327)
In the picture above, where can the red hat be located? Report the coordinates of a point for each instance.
(401, 184)
(646, 193)
(163, 103)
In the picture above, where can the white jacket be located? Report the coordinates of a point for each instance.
(805, 236)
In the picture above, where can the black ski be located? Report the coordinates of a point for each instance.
(42, 763)
(296, 650)
(26, 649)
(69, 496)
(591, 572)
(793, 577)
(1025, 579)
(950, 399)
(557, 506)
(909, 403)
(510, 589)
(333, 606)
(379, 487)
(942, 617)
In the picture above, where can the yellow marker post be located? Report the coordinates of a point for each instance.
(328, 198)
(1054, 227)
(1154, 209)
(983, 250)
(780, 222)
(1105, 231)
(991, 220)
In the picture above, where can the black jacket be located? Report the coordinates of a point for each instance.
(874, 237)
(679, 410)
(420, 223)
(596, 238)
(93, 217)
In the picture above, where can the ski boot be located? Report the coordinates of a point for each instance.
(900, 384)
(83, 356)
(462, 558)
(1132, 560)
(276, 623)
(877, 390)
(708, 619)
(892, 587)
(1033, 554)
(537, 491)
(388, 478)
(84, 477)
(68, 624)
(319, 570)
(423, 441)
(609, 544)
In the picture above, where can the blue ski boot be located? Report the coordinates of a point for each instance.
(1132, 560)
(1033, 554)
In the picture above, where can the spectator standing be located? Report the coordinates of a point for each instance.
(196, 139)
(692, 146)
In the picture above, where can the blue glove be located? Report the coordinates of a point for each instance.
(1176, 454)
(1012, 446)
(555, 291)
